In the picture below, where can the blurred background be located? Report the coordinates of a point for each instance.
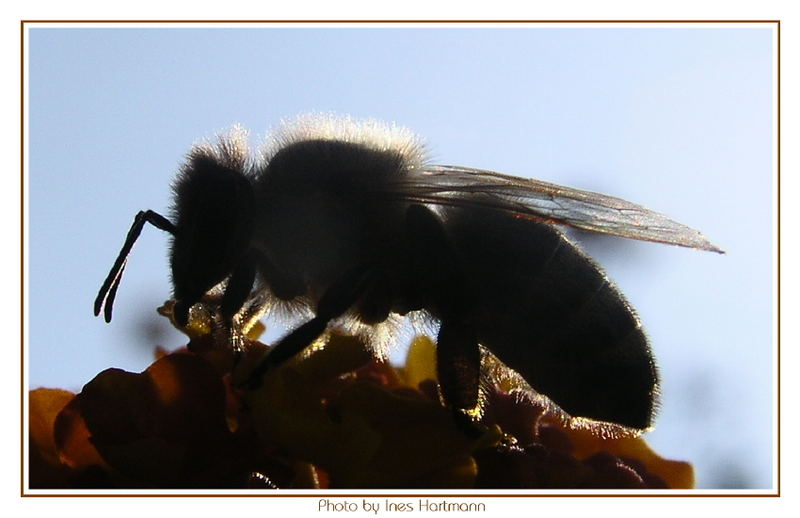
(677, 118)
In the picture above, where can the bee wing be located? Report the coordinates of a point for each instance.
(538, 200)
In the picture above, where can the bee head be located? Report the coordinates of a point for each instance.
(213, 213)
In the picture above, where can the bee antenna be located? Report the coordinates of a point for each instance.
(108, 291)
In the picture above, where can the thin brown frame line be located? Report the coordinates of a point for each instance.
(23, 24)
(435, 21)
(23, 392)
(410, 20)
(778, 251)
(465, 496)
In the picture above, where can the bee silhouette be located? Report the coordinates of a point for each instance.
(348, 220)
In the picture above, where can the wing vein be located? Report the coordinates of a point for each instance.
(456, 186)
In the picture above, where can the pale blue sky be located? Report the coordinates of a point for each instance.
(677, 119)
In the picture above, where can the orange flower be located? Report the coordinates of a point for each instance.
(333, 417)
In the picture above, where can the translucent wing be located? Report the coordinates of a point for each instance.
(534, 199)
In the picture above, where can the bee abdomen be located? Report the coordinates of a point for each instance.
(548, 312)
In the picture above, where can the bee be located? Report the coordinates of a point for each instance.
(350, 222)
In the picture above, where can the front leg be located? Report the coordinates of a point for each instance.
(340, 297)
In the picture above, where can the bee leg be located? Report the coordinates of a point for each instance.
(458, 358)
(338, 299)
(108, 291)
(375, 303)
(236, 294)
(458, 361)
